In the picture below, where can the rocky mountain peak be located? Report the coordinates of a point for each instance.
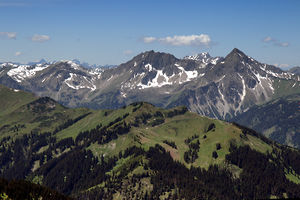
(156, 59)
(238, 61)
(236, 54)
(204, 55)
(68, 64)
(219, 87)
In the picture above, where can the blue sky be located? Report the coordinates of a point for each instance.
(112, 32)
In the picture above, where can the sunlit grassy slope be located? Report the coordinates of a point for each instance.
(175, 129)
(23, 113)
(12, 99)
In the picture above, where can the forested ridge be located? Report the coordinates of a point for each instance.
(20, 190)
(143, 152)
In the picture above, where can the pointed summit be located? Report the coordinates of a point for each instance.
(238, 61)
(235, 53)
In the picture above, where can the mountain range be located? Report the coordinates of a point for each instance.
(136, 152)
(216, 87)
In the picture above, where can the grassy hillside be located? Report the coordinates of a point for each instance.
(22, 113)
(12, 99)
(177, 130)
(142, 152)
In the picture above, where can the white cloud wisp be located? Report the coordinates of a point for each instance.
(275, 42)
(40, 38)
(181, 40)
(18, 53)
(8, 35)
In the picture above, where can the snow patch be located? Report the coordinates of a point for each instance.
(251, 58)
(244, 89)
(155, 83)
(162, 79)
(73, 65)
(214, 61)
(190, 74)
(240, 55)
(221, 78)
(87, 84)
(123, 94)
(96, 71)
(149, 67)
(242, 96)
(110, 78)
(22, 72)
(205, 58)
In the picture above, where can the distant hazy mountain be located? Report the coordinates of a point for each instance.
(42, 61)
(278, 119)
(89, 66)
(216, 87)
(295, 70)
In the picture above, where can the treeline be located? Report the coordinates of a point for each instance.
(69, 123)
(42, 153)
(170, 143)
(68, 167)
(102, 135)
(20, 190)
(41, 105)
(194, 183)
(169, 176)
(75, 171)
(291, 159)
(262, 174)
(194, 146)
(249, 131)
(18, 157)
(78, 170)
(177, 111)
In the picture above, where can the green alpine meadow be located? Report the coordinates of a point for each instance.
(138, 152)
